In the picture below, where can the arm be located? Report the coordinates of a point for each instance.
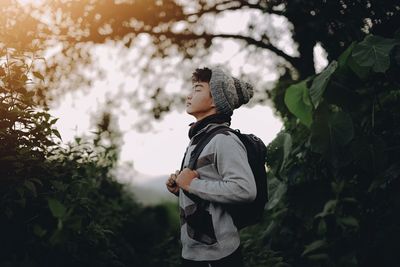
(237, 184)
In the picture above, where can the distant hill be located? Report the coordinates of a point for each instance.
(152, 192)
(147, 189)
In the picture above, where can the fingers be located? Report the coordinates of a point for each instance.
(172, 179)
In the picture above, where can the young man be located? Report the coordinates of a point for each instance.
(223, 176)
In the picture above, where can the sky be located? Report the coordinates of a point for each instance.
(159, 151)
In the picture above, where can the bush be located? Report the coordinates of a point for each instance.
(334, 169)
(61, 205)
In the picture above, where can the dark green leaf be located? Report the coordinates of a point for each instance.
(298, 102)
(348, 221)
(343, 58)
(320, 82)
(328, 131)
(57, 133)
(318, 244)
(374, 52)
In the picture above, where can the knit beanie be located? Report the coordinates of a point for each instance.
(228, 92)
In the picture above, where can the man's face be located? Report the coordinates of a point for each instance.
(199, 102)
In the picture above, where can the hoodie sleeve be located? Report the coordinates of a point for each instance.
(237, 184)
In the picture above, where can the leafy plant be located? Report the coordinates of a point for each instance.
(334, 167)
(60, 203)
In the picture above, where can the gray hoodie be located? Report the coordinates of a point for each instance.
(225, 177)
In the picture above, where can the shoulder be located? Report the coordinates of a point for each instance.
(227, 140)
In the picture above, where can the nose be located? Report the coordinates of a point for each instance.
(189, 96)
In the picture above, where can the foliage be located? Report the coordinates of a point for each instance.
(335, 173)
(60, 204)
(179, 30)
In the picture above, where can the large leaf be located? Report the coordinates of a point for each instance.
(342, 61)
(373, 52)
(331, 131)
(361, 72)
(320, 82)
(298, 102)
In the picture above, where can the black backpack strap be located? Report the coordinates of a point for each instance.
(197, 151)
(202, 144)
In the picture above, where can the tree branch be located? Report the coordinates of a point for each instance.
(292, 60)
(219, 8)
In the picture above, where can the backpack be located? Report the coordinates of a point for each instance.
(243, 214)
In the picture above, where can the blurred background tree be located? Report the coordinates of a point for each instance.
(67, 32)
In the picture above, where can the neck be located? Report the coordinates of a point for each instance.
(213, 118)
(203, 116)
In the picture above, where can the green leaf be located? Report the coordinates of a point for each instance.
(57, 209)
(54, 120)
(320, 82)
(361, 72)
(329, 208)
(348, 221)
(343, 58)
(297, 101)
(331, 130)
(57, 133)
(38, 75)
(373, 52)
(318, 244)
